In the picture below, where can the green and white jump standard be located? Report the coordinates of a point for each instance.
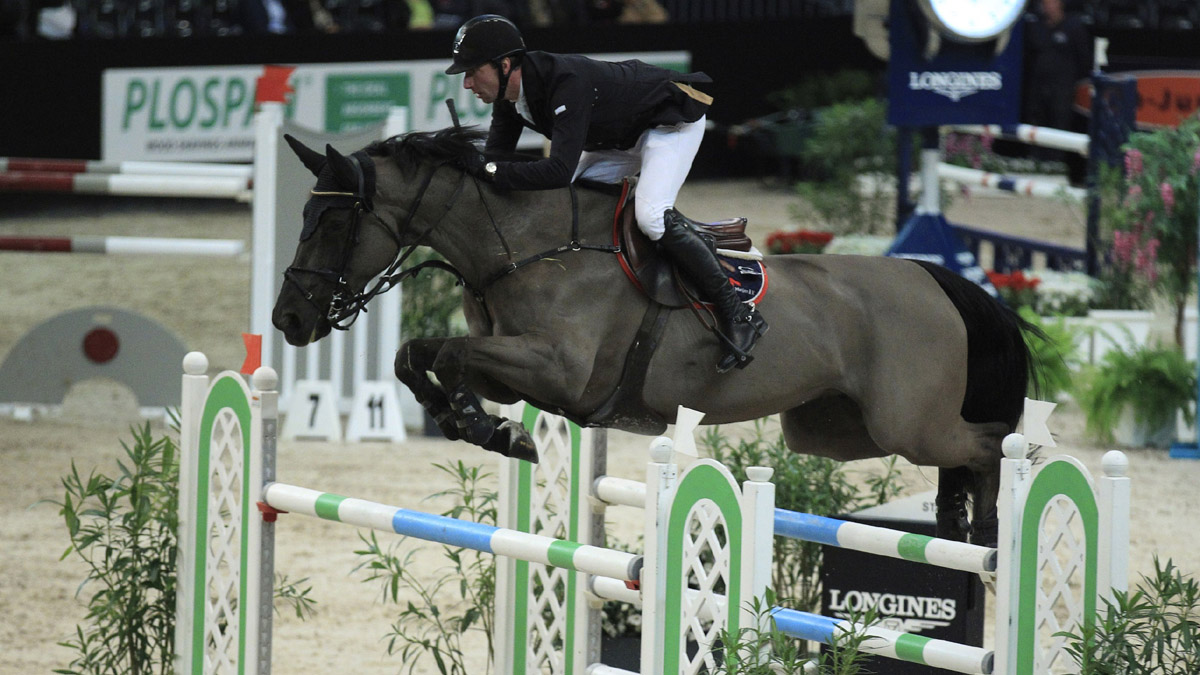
(1040, 512)
(708, 547)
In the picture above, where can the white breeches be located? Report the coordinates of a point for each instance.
(663, 156)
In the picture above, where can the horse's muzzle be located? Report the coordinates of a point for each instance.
(295, 330)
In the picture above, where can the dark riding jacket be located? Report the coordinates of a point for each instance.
(584, 104)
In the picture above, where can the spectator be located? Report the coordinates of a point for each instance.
(643, 11)
(277, 16)
(453, 13)
(420, 14)
(1058, 53)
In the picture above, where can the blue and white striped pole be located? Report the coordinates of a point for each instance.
(955, 555)
(884, 642)
(454, 532)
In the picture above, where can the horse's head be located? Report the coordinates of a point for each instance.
(330, 270)
(354, 229)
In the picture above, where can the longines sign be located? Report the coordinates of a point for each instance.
(956, 85)
(932, 82)
(906, 613)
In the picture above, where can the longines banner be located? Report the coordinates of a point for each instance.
(957, 84)
(207, 114)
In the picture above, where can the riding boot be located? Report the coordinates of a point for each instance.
(740, 324)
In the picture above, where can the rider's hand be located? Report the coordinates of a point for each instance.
(474, 164)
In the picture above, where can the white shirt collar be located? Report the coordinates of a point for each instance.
(521, 104)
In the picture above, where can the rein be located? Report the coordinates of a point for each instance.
(345, 305)
(573, 245)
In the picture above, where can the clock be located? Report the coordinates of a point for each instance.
(972, 20)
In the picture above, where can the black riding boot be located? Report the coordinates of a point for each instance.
(741, 325)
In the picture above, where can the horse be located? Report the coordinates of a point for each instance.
(867, 356)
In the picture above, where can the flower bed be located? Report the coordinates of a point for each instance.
(799, 241)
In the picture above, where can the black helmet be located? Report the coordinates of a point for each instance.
(484, 39)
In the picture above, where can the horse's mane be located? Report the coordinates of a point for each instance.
(453, 143)
(439, 146)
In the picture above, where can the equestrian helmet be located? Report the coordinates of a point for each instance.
(484, 39)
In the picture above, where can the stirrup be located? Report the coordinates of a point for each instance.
(734, 356)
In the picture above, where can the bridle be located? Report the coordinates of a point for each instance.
(345, 304)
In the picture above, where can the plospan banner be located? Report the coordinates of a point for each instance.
(207, 113)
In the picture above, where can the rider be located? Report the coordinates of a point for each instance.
(605, 121)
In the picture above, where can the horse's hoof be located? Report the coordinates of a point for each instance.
(520, 443)
(953, 527)
(986, 533)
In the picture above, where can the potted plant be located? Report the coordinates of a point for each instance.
(1149, 206)
(1134, 394)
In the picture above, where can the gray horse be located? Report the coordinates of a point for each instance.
(867, 356)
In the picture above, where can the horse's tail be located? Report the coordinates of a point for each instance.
(999, 364)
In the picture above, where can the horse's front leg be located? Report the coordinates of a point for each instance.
(414, 360)
(524, 363)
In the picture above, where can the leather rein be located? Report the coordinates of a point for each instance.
(345, 304)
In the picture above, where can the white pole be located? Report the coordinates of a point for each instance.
(1016, 473)
(267, 122)
(194, 390)
(931, 184)
(661, 474)
(1113, 496)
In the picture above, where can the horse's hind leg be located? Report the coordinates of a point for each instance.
(985, 521)
(980, 478)
(952, 503)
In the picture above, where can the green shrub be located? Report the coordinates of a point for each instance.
(852, 146)
(1056, 356)
(1153, 381)
(1154, 630)
(824, 89)
(125, 529)
(423, 627)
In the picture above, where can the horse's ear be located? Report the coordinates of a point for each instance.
(343, 170)
(312, 160)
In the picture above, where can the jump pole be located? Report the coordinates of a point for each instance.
(218, 187)
(7, 164)
(1028, 187)
(221, 248)
(453, 532)
(1046, 137)
(882, 541)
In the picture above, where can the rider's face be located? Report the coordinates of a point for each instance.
(484, 82)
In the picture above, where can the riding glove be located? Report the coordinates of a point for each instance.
(474, 164)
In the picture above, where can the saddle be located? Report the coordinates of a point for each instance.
(653, 274)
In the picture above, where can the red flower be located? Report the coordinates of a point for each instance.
(801, 241)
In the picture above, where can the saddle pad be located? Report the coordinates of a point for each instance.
(749, 278)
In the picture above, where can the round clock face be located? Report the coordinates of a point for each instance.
(972, 20)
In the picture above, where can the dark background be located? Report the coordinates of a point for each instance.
(50, 90)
